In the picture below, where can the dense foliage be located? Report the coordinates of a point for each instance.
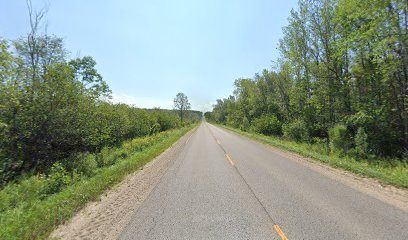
(34, 206)
(52, 108)
(341, 79)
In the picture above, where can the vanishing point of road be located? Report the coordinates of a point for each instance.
(224, 186)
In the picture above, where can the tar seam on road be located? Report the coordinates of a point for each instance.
(276, 226)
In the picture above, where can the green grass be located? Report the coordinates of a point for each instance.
(28, 212)
(387, 171)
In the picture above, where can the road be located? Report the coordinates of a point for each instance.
(224, 186)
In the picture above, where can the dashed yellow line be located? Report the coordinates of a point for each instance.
(229, 159)
(280, 232)
(277, 228)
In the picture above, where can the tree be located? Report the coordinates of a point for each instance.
(376, 35)
(181, 104)
(343, 67)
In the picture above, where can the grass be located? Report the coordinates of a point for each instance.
(387, 171)
(28, 212)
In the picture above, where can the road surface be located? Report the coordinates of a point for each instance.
(223, 186)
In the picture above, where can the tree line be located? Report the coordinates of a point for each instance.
(53, 107)
(341, 79)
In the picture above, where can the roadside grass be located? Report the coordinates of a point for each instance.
(387, 171)
(29, 210)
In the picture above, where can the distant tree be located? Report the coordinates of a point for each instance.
(181, 104)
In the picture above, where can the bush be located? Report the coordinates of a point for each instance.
(7, 168)
(320, 145)
(245, 124)
(155, 128)
(361, 143)
(296, 131)
(57, 179)
(86, 165)
(105, 157)
(82, 163)
(167, 121)
(267, 125)
(339, 139)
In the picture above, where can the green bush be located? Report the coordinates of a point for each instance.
(167, 121)
(267, 125)
(296, 131)
(245, 124)
(86, 165)
(106, 157)
(155, 128)
(57, 179)
(361, 143)
(340, 141)
(320, 145)
(7, 168)
(83, 164)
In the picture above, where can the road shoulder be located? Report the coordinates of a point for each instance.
(106, 218)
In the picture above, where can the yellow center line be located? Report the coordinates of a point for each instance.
(229, 159)
(280, 232)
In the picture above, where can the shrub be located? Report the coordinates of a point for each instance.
(339, 139)
(320, 145)
(167, 121)
(82, 163)
(267, 125)
(296, 131)
(155, 128)
(57, 179)
(108, 156)
(361, 143)
(86, 165)
(7, 168)
(245, 124)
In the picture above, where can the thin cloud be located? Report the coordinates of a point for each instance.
(142, 102)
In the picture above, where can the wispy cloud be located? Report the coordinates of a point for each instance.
(142, 102)
(206, 107)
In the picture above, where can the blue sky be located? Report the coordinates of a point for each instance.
(150, 50)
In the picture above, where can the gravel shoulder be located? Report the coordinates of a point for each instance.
(105, 219)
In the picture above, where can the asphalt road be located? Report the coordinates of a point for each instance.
(223, 186)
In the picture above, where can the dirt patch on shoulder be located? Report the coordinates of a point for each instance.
(106, 218)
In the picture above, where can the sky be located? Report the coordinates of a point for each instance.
(148, 51)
